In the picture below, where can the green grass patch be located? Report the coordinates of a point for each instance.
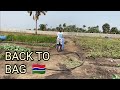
(100, 47)
(31, 38)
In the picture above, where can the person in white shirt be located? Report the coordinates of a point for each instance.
(60, 39)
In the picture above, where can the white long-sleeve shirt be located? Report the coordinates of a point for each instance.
(60, 35)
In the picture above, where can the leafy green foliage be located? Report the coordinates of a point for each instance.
(93, 30)
(9, 47)
(41, 44)
(84, 29)
(106, 28)
(114, 30)
(114, 76)
(42, 27)
(12, 48)
(32, 38)
(100, 47)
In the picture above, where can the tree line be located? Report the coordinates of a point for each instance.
(84, 29)
(72, 28)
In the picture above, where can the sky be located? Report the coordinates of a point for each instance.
(22, 20)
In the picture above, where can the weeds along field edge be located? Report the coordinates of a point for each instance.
(100, 47)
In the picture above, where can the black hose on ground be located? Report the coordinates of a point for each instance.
(70, 68)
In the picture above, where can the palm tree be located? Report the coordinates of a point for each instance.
(64, 26)
(84, 26)
(60, 27)
(36, 16)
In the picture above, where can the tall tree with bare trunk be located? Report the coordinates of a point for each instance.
(36, 16)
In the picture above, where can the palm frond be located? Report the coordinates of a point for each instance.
(30, 12)
(36, 14)
(44, 12)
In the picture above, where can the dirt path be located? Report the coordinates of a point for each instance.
(89, 68)
(98, 68)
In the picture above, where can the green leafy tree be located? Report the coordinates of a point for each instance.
(114, 30)
(43, 27)
(80, 30)
(97, 26)
(93, 30)
(118, 31)
(88, 28)
(53, 29)
(36, 16)
(84, 30)
(106, 28)
(57, 28)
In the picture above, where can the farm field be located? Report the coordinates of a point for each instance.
(83, 57)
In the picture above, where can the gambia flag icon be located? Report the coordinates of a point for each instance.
(38, 69)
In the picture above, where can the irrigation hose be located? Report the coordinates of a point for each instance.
(66, 69)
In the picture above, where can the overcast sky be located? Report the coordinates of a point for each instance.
(21, 19)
